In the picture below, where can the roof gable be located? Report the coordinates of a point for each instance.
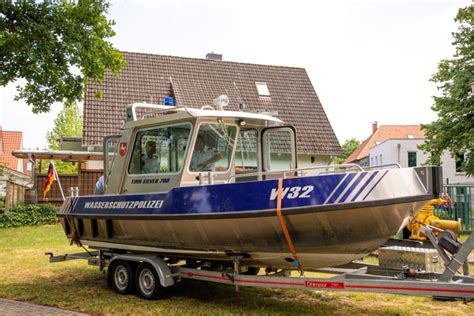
(382, 133)
(196, 82)
(11, 140)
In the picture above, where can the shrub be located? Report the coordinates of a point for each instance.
(2, 204)
(28, 215)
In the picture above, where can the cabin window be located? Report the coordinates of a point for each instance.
(279, 149)
(160, 150)
(213, 147)
(246, 159)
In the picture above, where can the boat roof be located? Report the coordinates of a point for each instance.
(177, 113)
(236, 114)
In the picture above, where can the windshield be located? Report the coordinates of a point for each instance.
(213, 147)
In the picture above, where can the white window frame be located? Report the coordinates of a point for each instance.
(262, 89)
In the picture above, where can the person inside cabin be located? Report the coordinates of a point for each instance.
(204, 158)
(151, 161)
(100, 186)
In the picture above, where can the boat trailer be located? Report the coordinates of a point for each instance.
(352, 277)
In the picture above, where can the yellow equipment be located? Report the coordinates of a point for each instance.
(426, 217)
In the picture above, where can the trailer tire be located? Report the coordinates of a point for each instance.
(148, 282)
(120, 277)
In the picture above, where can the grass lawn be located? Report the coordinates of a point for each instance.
(26, 275)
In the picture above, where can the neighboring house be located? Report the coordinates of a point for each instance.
(389, 144)
(10, 141)
(13, 171)
(196, 82)
(379, 134)
(406, 153)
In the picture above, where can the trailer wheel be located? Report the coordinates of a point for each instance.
(148, 282)
(120, 275)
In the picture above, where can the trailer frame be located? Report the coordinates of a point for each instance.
(352, 277)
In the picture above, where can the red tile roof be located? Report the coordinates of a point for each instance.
(382, 133)
(196, 82)
(10, 141)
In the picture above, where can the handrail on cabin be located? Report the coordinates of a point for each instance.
(159, 108)
(348, 167)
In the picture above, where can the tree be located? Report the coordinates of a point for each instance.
(454, 128)
(68, 123)
(349, 146)
(53, 46)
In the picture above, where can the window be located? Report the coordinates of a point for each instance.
(160, 150)
(262, 89)
(213, 147)
(278, 149)
(410, 136)
(412, 159)
(246, 153)
(381, 159)
(376, 160)
(459, 161)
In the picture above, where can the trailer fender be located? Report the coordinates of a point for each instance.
(163, 270)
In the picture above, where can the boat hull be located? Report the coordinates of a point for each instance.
(331, 219)
(322, 238)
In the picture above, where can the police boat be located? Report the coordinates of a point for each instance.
(210, 185)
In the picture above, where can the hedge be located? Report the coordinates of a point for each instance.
(28, 215)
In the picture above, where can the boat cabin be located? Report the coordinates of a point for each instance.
(180, 146)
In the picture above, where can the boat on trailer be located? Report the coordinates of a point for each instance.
(210, 185)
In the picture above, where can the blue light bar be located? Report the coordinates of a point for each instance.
(168, 101)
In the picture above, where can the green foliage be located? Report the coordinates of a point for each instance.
(2, 204)
(28, 215)
(68, 123)
(54, 46)
(349, 146)
(454, 129)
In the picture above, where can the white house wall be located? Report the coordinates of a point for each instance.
(308, 161)
(389, 152)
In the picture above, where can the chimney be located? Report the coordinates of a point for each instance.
(374, 127)
(213, 56)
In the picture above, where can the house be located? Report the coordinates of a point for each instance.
(285, 91)
(10, 141)
(390, 144)
(14, 173)
(405, 152)
(380, 133)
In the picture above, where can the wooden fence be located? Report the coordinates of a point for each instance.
(85, 180)
(15, 194)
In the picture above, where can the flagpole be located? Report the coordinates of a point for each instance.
(59, 181)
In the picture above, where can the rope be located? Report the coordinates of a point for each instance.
(284, 228)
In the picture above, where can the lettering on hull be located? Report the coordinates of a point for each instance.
(124, 205)
(295, 192)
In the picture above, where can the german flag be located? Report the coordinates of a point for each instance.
(50, 178)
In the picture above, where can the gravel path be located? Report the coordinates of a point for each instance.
(9, 307)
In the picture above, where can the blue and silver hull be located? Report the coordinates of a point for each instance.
(331, 219)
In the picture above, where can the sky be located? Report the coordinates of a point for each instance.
(367, 60)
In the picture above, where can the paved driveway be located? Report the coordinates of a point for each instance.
(8, 307)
